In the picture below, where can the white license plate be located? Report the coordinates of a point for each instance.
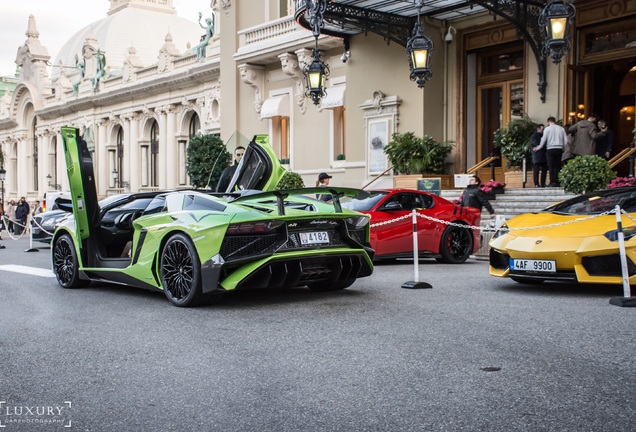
(543, 266)
(316, 237)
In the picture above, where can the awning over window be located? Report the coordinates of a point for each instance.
(335, 97)
(275, 106)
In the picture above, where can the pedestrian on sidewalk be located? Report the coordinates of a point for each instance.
(323, 182)
(554, 140)
(22, 210)
(10, 215)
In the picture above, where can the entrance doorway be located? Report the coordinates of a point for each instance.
(609, 90)
(498, 104)
(499, 98)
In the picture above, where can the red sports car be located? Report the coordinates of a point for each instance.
(447, 243)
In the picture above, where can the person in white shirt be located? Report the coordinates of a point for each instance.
(554, 139)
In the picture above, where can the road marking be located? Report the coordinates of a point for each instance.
(35, 271)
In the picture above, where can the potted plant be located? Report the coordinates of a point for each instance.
(514, 143)
(586, 174)
(418, 157)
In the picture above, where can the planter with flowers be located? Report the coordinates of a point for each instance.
(622, 182)
(493, 187)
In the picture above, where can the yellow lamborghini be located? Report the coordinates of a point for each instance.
(574, 240)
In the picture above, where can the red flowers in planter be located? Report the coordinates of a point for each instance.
(622, 182)
(491, 186)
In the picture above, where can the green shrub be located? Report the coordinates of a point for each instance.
(409, 154)
(514, 141)
(291, 180)
(586, 174)
(203, 152)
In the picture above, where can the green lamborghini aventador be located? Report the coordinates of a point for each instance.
(196, 246)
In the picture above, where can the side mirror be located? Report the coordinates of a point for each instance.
(393, 206)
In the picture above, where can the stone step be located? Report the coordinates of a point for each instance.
(516, 201)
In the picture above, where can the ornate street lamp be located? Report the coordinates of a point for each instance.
(317, 71)
(557, 18)
(418, 50)
(315, 75)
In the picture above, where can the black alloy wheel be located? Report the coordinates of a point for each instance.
(66, 264)
(456, 245)
(181, 271)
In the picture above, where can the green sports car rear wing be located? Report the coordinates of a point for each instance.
(281, 195)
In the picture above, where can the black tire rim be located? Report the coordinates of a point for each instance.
(459, 243)
(178, 270)
(64, 262)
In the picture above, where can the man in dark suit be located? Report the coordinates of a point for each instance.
(228, 172)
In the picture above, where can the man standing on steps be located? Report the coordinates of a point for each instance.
(554, 140)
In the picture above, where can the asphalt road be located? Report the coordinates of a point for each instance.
(474, 353)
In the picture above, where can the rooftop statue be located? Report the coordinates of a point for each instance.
(205, 39)
(100, 72)
(82, 70)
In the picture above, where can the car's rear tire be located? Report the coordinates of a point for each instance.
(456, 245)
(66, 264)
(180, 271)
(340, 285)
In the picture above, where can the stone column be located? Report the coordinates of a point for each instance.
(43, 138)
(102, 157)
(22, 165)
(62, 174)
(172, 157)
(134, 176)
(162, 167)
(126, 169)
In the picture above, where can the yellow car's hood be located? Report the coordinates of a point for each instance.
(560, 226)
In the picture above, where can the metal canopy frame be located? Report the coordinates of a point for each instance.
(394, 20)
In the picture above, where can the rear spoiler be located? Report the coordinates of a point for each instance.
(281, 195)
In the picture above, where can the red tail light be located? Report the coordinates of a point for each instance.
(253, 227)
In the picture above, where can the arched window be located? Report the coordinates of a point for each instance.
(34, 152)
(154, 154)
(195, 125)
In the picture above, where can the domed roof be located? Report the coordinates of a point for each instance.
(142, 24)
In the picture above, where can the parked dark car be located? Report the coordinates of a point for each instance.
(44, 224)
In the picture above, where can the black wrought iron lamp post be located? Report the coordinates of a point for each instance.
(557, 18)
(418, 50)
(317, 71)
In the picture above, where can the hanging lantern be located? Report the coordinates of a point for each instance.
(317, 71)
(557, 18)
(418, 50)
(315, 75)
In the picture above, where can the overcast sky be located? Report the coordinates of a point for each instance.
(58, 20)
